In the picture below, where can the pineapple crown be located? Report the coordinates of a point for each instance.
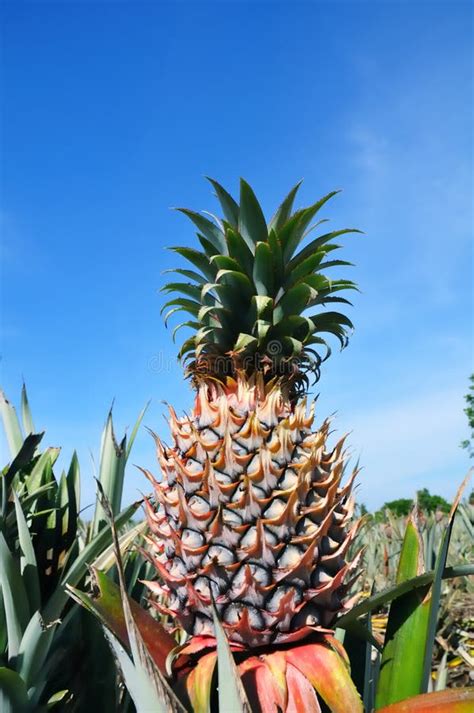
(255, 294)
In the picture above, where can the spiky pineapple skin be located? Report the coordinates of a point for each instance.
(250, 515)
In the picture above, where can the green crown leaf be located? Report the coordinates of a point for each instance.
(253, 284)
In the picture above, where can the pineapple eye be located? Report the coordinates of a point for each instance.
(290, 556)
(336, 534)
(209, 437)
(306, 526)
(233, 614)
(310, 615)
(198, 505)
(260, 574)
(258, 492)
(193, 466)
(239, 449)
(238, 493)
(250, 538)
(275, 509)
(169, 549)
(203, 626)
(178, 568)
(231, 518)
(274, 600)
(328, 545)
(192, 539)
(300, 455)
(222, 478)
(205, 586)
(319, 577)
(288, 480)
(220, 555)
(270, 537)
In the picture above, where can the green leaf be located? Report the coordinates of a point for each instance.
(148, 686)
(189, 324)
(56, 698)
(293, 302)
(210, 231)
(207, 246)
(185, 288)
(232, 696)
(139, 681)
(436, 588)
(252, 225)
(190, 274)
(261, 327)
(187, 347)
(74, 482)
(358, 641)
(324, 293)
(33, 651)
(41, 471)
(228, 204)
(304, 268)
(191, 306)
(113, 458)
(296, 326)
(28, 566)
(135, 430)
(3, 625)
(397, 590)
(198, 259)
(238, 287)
(293, 347)
(401, 671)
(324, 299)
(170, 313)
(239, 250)
(224, 262)
(26, 416)
(263, 271)
(39, 634)
(283, 212)
(21, 460)
(335, 263)
(105, 560)
(292, 237)
(14, 596)
(181, 304)
(11, 425)
(315, 246)
(263, 307)
(106, 605)
(13, 692)
(332, 323)
(244, 341)
(79, 567)
(277, 256)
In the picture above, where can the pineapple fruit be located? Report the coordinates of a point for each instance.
(250, 519)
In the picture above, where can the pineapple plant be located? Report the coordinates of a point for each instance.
(250, 519)
(250, 524)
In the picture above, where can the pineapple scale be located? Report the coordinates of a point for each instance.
(250, 514)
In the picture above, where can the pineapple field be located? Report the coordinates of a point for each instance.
(247, 579)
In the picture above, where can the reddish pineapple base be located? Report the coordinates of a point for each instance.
(290, 679)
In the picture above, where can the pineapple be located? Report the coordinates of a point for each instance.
(250, 519)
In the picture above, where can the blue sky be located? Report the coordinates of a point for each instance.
(114, 111)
